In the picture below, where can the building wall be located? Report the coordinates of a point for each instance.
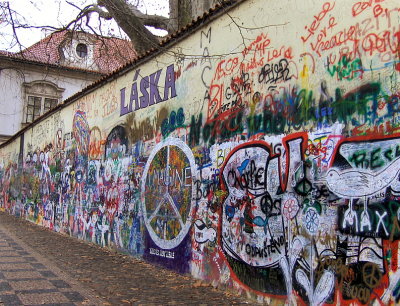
(260, 154)
(11, 107)
(12, 100)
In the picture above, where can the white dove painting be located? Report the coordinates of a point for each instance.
(202, 233)
(357, 183)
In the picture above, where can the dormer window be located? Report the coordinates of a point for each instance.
(77, 50)
(81, 50)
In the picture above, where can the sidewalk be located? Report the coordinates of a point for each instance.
(39, 266)
(26, 278)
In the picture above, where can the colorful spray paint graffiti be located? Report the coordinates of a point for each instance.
(271, 167)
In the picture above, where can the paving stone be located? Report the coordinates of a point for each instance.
(22, 253)
(38, 266)
(43, 298)
(10, 299)
(30, 259)
(11, 260)
(4, 286)
(6, 248)
(47, 273)
(25, 274)
(35, 291)
(30, 285)
(18, 270)
(74, 296)
(27, 279)
(10, 253)
(8, 266)
(59, 283)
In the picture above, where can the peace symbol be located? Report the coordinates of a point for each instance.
(167, 192)
(371, 275)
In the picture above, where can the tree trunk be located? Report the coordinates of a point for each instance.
(132, 22)
(180, 14)
(142, 39)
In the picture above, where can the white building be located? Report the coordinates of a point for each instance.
(40, 77)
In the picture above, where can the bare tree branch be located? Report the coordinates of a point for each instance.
(157, 21)
(142, 39)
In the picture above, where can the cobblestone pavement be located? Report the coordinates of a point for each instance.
(26, 278)
(38, 266)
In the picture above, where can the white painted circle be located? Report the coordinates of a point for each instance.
(167, 198)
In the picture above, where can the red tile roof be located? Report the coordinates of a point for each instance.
(113, 53)
(45, 50)
(110, 53)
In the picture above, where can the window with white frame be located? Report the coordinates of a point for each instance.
(41, 96)
(37, 106)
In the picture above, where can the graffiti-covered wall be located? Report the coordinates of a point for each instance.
(260, 153)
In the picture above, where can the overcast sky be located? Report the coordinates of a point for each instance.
(58, 13)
